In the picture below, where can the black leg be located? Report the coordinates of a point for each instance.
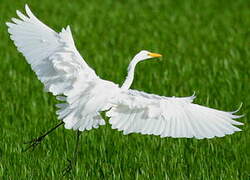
(72, 162)
(34, 142)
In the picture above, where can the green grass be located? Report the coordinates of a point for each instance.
(206, 48)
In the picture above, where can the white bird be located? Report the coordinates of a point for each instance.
(59, 66)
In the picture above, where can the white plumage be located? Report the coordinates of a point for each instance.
(58, 65)
(169, 117)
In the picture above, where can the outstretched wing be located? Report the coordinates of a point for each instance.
(139, 112)
(58, 65)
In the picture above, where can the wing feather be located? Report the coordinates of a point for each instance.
(169, 116)
(59, 66)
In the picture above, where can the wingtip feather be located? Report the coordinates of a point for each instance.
(21, 15)
(9, 24)
(26, 6)
(237, 110)
(28, 11)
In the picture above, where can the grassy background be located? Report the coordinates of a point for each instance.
(206, 48)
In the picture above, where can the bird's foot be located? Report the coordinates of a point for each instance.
(68, 168)
(33, 143)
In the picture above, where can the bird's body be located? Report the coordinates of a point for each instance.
(59, 66)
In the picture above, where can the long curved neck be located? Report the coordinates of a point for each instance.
(131, 70)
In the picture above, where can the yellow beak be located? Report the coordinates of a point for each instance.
(154, 55)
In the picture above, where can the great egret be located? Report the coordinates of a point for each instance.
(58, 65)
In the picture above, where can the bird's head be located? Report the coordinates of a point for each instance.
(143, 55)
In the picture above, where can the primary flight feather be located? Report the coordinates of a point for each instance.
(59, 66)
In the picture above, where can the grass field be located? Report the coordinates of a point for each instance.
(206, 49)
